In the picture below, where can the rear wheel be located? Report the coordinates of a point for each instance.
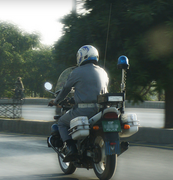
(105, 168)
(66, 167)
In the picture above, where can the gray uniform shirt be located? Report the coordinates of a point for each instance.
(88, 80)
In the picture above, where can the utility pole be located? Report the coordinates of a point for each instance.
(74, 6)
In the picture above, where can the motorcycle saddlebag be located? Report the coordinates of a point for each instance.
(79, 127)
(130, 119)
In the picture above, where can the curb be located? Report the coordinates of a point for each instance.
(37, 101)
(152, 135)
(36, 127)
(39, 127)
(29, 101)
(147, 104)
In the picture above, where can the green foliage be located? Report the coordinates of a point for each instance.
(21, 55)
(142, 30)
(41, 69)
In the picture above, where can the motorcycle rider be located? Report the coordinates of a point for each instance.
(89, 80)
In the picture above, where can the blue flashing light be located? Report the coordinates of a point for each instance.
(123, 62)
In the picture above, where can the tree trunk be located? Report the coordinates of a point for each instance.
(169, 108)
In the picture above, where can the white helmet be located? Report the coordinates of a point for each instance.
(87, 53)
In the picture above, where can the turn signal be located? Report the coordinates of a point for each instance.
(126, 126)
(95, 127)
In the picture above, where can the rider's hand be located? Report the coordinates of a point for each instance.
(51, 103)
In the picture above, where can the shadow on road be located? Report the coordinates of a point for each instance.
(56, 176)
(60, 176)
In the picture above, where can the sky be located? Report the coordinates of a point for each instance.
(40, 16)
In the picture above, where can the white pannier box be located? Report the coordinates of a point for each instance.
(79, 127)
(130, 119)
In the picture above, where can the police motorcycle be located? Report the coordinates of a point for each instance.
(98, 139)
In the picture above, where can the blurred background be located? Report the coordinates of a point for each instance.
(39, 39)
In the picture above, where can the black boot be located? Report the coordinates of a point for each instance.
(71, 151)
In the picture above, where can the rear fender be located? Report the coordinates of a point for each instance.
(112, 143)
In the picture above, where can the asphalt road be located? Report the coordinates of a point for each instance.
(24, 157)
(38, 112)
(148, 117)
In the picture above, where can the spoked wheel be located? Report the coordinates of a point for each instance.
(66, 167)
(105, 168)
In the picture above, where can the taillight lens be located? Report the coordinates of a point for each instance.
(110, 115)
(113, 143)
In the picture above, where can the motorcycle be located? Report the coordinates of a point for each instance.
(98, 139)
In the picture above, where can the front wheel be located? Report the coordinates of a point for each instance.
(66, 167)
(104, 169)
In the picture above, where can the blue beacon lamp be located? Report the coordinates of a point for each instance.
(123, 62)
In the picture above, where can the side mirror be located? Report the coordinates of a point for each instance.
(48, 86)
(123, 62)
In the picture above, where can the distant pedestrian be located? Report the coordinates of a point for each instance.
(19, 88)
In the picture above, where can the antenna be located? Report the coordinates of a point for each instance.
(123, 63)
(107, 33)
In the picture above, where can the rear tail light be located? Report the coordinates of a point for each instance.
(113, 143)
(110, 115)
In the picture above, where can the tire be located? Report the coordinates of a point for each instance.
(105, 169)
(66, 167)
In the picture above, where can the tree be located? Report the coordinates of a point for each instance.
(42, 68)
(142, 30)
(13, 43)
(21, 54)
(149, 44)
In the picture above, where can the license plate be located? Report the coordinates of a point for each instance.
(111, 126)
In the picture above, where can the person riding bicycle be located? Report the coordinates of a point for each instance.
(88, 80)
